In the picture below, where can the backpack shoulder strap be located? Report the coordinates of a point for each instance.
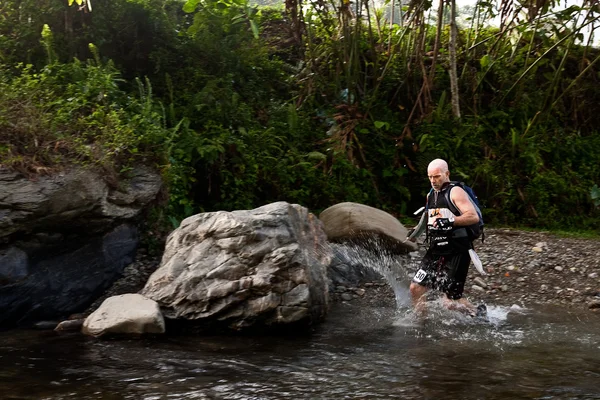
(451, 204)
(427, 199)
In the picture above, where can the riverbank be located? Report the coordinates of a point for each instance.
(537, 268)
(523, 268)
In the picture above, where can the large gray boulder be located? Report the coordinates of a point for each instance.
(348, 220)
(258, 268)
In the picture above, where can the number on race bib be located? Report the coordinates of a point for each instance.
(419, 276)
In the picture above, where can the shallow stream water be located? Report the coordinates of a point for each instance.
(359, 352)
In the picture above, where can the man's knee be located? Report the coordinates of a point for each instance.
(417, 290)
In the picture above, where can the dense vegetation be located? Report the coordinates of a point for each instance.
(239, 105)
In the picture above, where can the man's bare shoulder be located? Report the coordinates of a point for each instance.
(456, 192)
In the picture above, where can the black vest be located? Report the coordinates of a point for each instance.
(449, 240)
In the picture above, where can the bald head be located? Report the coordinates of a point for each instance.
(438, 163)
(438, 173)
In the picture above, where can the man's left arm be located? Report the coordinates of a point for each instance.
(468, 214)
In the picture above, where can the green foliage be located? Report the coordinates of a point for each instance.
(595, 194)
(74, 112)
(241, 105)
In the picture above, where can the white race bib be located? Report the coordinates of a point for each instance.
(419, 276)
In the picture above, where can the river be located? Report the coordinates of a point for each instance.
(358, 353)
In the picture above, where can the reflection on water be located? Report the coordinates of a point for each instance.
(359, 353)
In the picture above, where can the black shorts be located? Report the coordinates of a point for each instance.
(446, 273)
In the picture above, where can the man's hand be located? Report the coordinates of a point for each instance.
(443, 223)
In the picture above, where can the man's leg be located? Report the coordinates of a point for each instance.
(457, 269)
(420, 284)
(417, 294)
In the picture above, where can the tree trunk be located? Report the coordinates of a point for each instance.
(293, 9)
(452, 51)
(436, 46)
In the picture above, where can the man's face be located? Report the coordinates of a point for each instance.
(437, 177)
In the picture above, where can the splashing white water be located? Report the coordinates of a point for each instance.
(398, 270)
(371, 252)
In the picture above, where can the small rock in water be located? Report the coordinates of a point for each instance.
(537, 249)
(511, 268)
(70, 325)
(541, 244)
(504, 288)
(558, 268)
(346, 296)
(544, 287)
(360, 292)
(45, 324)
(477, 288)
(520, 279)
(593, 275)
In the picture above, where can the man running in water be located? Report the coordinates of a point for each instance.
(446, 263)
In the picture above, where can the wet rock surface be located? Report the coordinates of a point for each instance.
(44, 283)
(133, 279)
(66, 237)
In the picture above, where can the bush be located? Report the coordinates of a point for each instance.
(75, 113)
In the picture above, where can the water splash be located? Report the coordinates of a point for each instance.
(375, 253)
(397, 269)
